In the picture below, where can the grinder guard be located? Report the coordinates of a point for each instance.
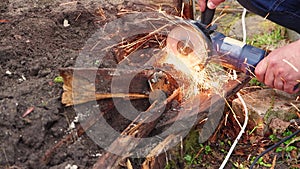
(190, 43)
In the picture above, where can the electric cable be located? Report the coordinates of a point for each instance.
(274, 146)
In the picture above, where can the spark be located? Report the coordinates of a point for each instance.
(214, 21)
(182, 8)
(283, 80)
(266, 16)
(290, 64)
(142, 39)
(295, 107)
(233, 113)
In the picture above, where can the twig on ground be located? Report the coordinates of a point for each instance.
(68, 3)
(28, 111)
(234, 115)
(4, 152)
(274, 162)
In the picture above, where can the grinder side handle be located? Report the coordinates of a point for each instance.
(208, 15)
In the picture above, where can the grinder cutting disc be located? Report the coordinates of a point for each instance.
(188, 44)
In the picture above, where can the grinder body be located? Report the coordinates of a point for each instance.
(236, 54)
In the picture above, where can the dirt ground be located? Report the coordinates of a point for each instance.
(34, 44)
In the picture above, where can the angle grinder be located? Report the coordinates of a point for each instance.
(192, 37)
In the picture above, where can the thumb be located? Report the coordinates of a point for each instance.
(212, 4)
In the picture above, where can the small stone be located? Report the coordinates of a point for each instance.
(66, 23)
(69, 166)
(72, 126)
(8, 72)
(278, 126)
(23, 78)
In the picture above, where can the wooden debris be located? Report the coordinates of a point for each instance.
(137, 129)
(129, 165)
(187, 9)
(274, 162)
(156, 4)
(84, 85)
(153, 160)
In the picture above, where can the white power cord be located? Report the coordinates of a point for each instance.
(242, 101)
(244, 25)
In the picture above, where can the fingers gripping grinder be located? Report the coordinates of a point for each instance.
(198, 38)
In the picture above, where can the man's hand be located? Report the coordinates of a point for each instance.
(211, 4)
(281, 68)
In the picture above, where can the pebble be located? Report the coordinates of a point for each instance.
(69, 166)
(66, 23)
(72, 126)
(8, 72)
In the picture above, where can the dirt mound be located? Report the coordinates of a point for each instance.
(34, 44)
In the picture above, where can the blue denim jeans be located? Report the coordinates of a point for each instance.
(282, 12)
